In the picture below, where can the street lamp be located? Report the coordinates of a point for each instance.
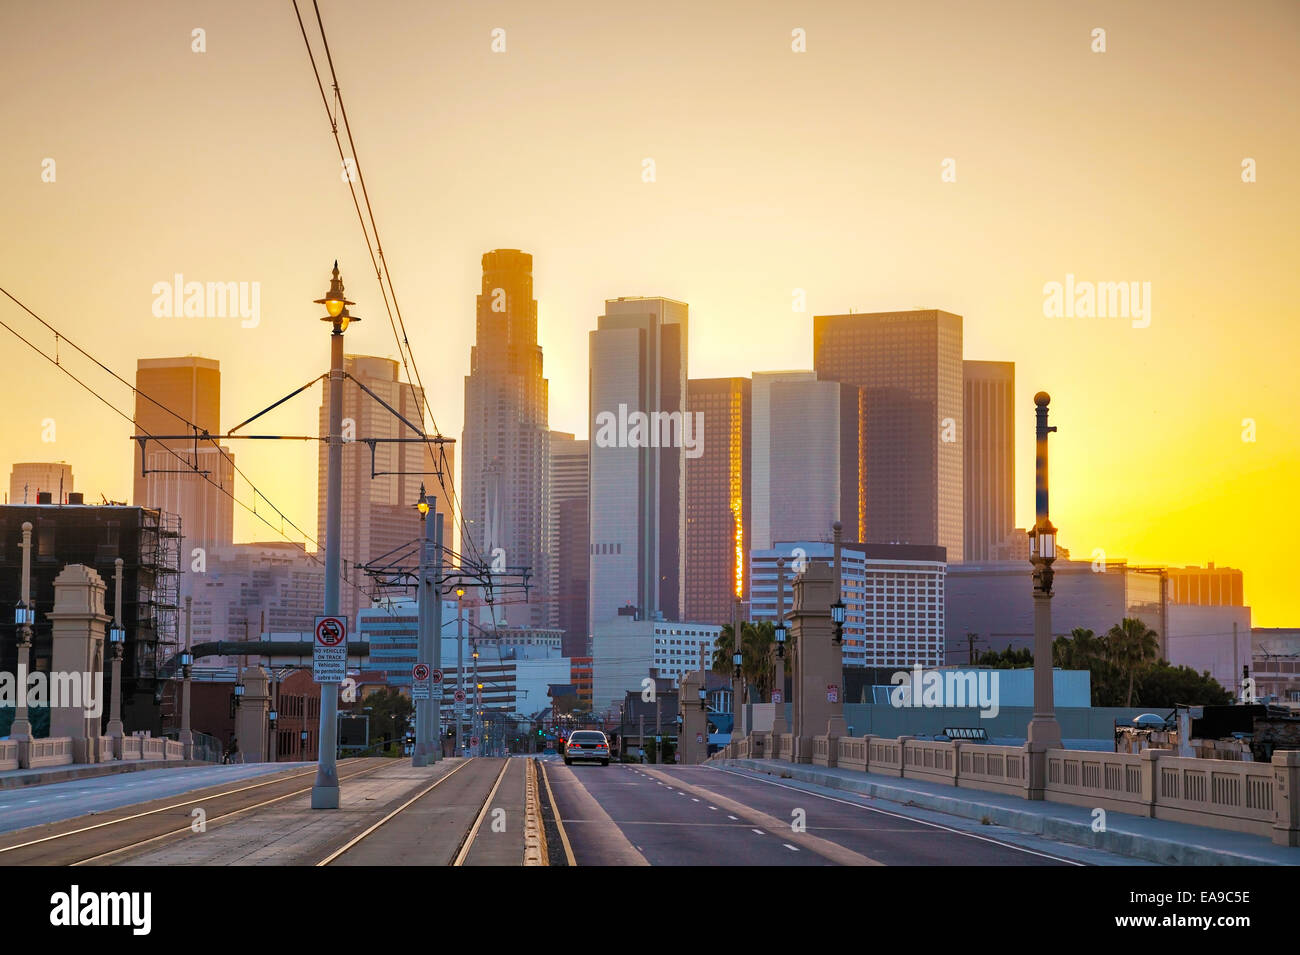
(779, 631)
(837, 617)
(737, 659)
(704, 697)
(325, 788)
(1044, 730)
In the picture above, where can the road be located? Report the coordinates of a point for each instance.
(696, 815)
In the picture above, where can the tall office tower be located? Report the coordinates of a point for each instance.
(806, 470)
(989, 409)
(506, 439)
(639, 436)
(718, 499)
(184, 391)
(567, 502)
(908, 365)
(379, 512)
(30, 478)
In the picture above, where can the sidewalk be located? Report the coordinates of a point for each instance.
(18, 778)
(1138, 837)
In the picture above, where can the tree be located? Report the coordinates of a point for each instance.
(1132, 646)
(1163, 685)
(390, 710)
(757, 648)
(1008, 659)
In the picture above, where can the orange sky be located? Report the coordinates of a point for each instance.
(775, 170)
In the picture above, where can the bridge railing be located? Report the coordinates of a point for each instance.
(8, 754)
(51, 751)
(1258, 798)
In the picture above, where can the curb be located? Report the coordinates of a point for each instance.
(534, 842)
(1134, 845)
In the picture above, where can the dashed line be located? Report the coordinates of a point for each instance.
(790, 847)
(758, 832)
(729, 816)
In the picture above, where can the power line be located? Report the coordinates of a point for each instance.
(54, 360)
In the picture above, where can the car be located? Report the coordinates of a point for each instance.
(589, 745)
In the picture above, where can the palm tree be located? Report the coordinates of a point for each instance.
(1132, 645)
(756, 642)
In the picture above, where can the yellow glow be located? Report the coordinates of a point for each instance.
(424, 509)
(334, 306)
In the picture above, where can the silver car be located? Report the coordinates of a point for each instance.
(590, 745)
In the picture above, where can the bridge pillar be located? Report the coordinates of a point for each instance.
(77, 661)
(693, 742)
(250, 720)
(818, 664)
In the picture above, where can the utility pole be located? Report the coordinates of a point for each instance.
(460, 671)
(325, 790)
(24, 616)
(435, 594)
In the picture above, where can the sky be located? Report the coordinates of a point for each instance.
(774, 170)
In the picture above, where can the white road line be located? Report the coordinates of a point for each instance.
(729, 816)
(758, 832)
(790, 847)
(898, 815)
(693, 799)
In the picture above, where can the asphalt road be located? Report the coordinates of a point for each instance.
(692, 815)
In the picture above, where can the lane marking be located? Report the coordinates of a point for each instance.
(759, 831)
(824, 847)
(610, 839)
(790, 847)
(555, 814)
(898, 815)
(487, 804)
(334, 855)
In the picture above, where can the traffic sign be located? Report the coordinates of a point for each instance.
(699, 737)
(459, 696)
(777, 696)
(330, 650)
(832, 692)
(420, 682)
(437, 676)
(473, 741)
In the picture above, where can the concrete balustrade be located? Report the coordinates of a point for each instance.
(173, 749)
(107, 749)
(51, 751)
(152, 747)
(1257, 798)
(8, 754)
(131, 747)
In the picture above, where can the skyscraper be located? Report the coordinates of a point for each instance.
(638, 437)
(567, 504)
(909, 367)
(506, 440)
(718, 499)
(989, 409)
(379, 512)
(172, 393)
(806, 466)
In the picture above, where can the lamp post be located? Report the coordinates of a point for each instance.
(271, 716)
(460, 671)
(186, 735)
(117, 637)
(1044, 731)
(837, 608)
(737, 661)
(424, 709)
(24, 619)
(325, 789)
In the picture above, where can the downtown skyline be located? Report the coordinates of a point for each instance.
(1149, 463)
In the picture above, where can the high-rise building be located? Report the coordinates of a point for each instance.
(806, 462)
(506, 440)
(893, 597)
(989, 410)
(1207, 586)
(718, 499)
(30, 478)
(567, 536)
(379, 495)
(909, 366)
(639, 435)
(191, 478)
